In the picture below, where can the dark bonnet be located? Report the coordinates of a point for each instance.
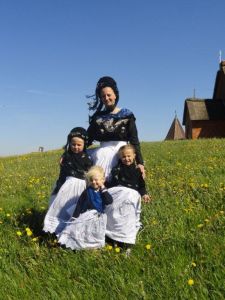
(77, 132)
(97, 104)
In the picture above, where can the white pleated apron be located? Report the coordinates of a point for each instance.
(123, 215)
(106, 155)
(63, 204)
(85, 232)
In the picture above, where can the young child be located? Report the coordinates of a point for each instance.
(87, 227)
(128, 186)
(71, 182)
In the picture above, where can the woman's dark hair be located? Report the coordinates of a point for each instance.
(77, 132)
(97, 104)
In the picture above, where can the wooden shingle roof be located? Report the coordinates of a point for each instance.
(203, 109)
(176, 131)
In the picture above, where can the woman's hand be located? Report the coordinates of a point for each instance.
(142, 168)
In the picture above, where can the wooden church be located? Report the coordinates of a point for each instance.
(205, 118)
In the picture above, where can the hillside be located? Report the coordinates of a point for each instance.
(179, 252)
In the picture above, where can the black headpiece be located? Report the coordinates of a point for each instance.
(77, 132)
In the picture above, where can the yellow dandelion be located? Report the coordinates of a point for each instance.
(117, 249)
(34, 239)
(8, 215)
(28, 231)
(109, 247)
(19, 233)
(190, 281)
(193, 264)
(1, 222)
(148, 246)
(207, 220)
(200, 225)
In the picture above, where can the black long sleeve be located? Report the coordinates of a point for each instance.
(106, 197)
(133, 139)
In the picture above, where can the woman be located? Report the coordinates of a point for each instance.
(112, 126)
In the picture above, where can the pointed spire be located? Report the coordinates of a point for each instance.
(176, 131)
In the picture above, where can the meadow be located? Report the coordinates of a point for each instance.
(180, 251)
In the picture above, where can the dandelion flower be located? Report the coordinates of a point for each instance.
(1, 222)
(19, 233)
(8, 215)
(148, 246)
(193, 264)
(109, 247)
(200, 225)
(190, 281)
(34, 239)
(29, 232)
(117, 249)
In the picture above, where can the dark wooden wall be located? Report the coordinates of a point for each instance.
(205, 129)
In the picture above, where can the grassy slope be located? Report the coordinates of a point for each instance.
(184, 225)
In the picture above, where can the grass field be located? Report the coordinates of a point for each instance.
(180, 251)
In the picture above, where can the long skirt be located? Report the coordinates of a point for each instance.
(63, 205)
(123, 215)
(106, 155)
(85, 232)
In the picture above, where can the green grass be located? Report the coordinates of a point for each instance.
(184, 226)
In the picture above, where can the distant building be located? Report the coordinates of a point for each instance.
(205, 118)
(176, 131)
(41, 149)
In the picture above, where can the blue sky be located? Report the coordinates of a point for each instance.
(54, 51)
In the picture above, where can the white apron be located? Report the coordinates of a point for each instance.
(85, 232)
(63, 204)
(123, 215)
(106, 155)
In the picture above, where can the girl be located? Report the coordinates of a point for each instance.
(111, 126)
(87, 227)
(123, 216)
(71, 182)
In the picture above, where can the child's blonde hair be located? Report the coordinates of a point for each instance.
(95, 170)
(126, 147)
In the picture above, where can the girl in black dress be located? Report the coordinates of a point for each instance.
(128, 187)
(71, 182)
